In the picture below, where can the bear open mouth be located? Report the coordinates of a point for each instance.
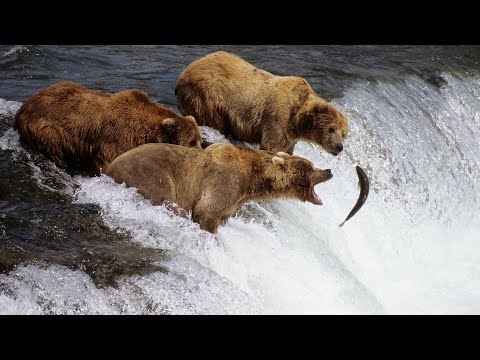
(313, 197)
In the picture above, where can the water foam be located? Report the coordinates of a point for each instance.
(9, 107)
(12, 51)
(271, 261)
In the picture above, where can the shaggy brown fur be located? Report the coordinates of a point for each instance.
(225, 92)
(215, 182)
(83, 129)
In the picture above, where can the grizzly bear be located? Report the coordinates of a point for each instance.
(215, 182)
(225, 92)
(84, 130)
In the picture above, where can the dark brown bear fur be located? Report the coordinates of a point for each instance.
(225, 92)
(85, 130)
(215, 182)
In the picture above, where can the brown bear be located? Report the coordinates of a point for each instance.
(215, 182)
(82, 129)
(225, 92)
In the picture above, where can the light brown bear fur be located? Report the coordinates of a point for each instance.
(85, 130)
(225, 92)
(215, 182)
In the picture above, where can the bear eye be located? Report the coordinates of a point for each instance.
(193, 143)
(331, 130)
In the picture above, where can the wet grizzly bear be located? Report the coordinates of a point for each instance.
(81, 129)
(215, 182)
(225, 92)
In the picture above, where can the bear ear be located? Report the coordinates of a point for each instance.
(168, 124)
(282, 154)
(191, 117)
(278, 160)
(322, 108)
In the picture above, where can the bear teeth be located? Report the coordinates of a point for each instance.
(315, 199)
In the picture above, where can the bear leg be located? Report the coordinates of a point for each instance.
(50, 140)
(273, 139)
(211, 211)
(208, 224)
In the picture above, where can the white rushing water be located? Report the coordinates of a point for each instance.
(413, 248)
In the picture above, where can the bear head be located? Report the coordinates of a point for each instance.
(322, 124)
(296, 177)
(180, 130)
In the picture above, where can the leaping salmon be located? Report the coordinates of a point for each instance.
(364, 189)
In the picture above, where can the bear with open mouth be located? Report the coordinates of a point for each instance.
(215, 182)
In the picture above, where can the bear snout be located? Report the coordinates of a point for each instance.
(327, 175)
(336, 148)
(320, 176)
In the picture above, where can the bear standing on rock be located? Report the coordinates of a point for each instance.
(225, 92)
(215, 182)
(81, 129)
